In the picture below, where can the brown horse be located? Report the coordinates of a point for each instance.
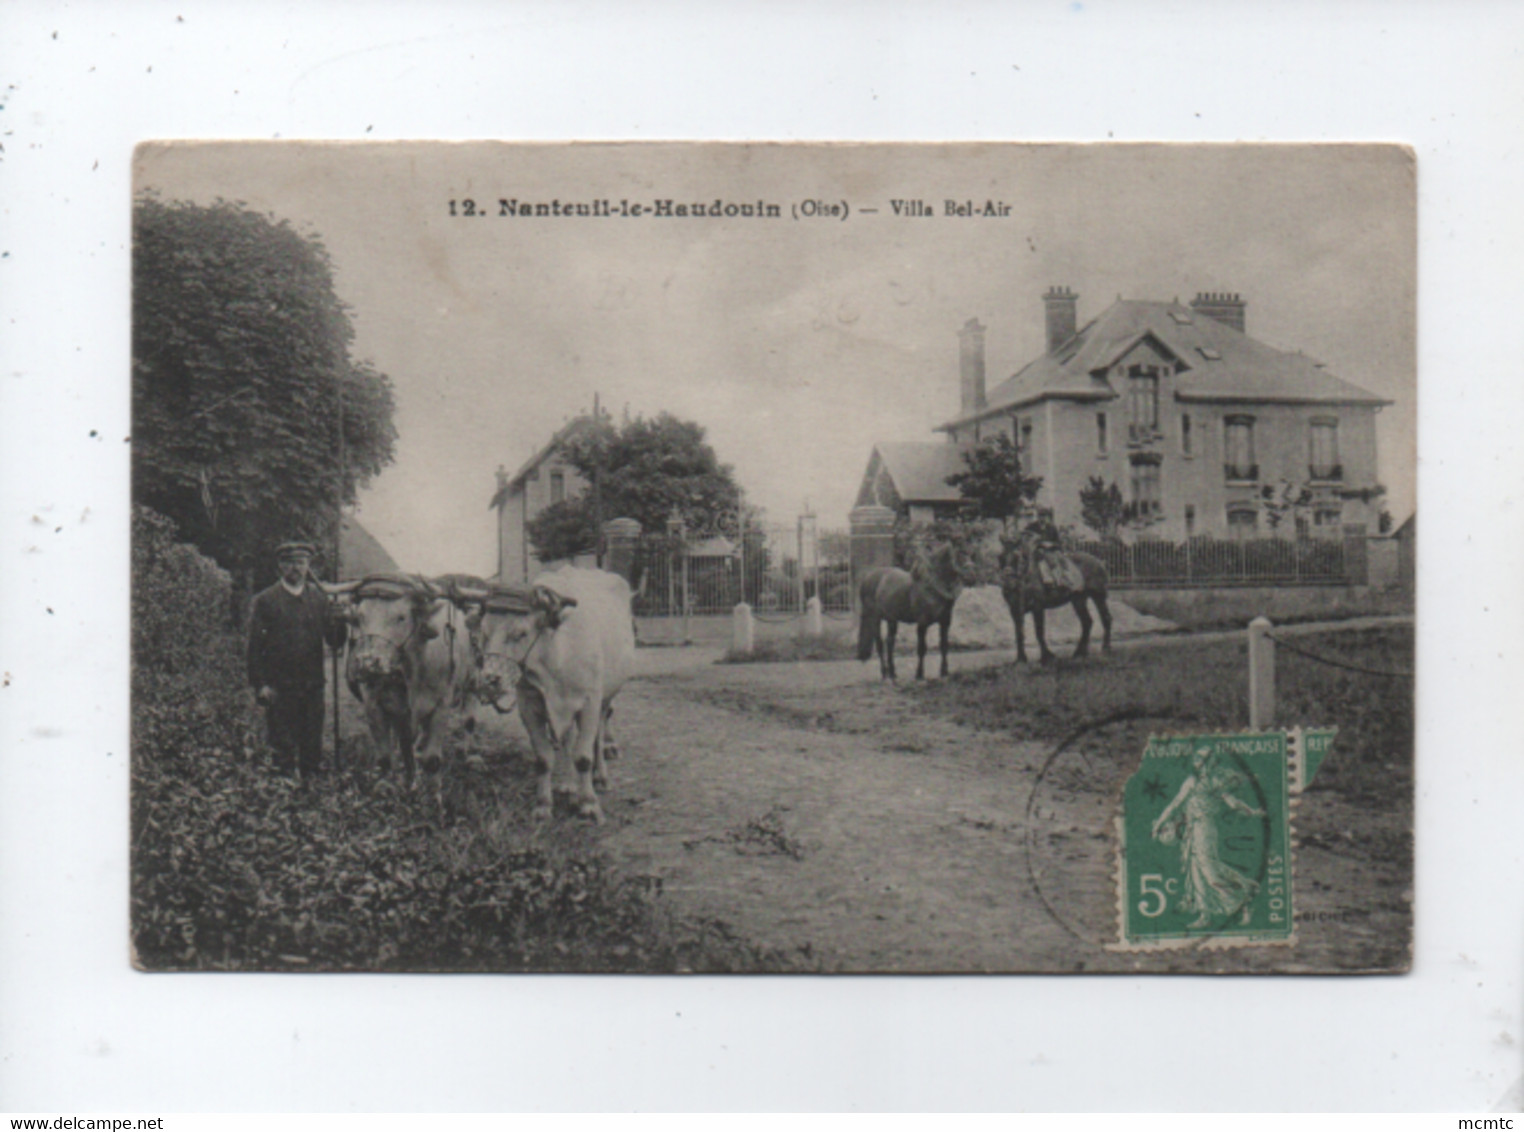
(922, 598)
(1026, 592)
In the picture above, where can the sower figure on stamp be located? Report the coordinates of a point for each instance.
(1211, 886)
(287, 627)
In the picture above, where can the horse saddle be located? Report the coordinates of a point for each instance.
(1057, 571)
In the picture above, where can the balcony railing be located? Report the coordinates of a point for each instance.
(1241, 473)
(1327, 472)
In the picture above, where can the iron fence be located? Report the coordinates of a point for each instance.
(774, 568)
(1218, 562)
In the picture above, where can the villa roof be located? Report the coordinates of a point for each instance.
(1220, 363)
(506, 485)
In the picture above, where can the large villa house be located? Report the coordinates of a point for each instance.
(1189, 416)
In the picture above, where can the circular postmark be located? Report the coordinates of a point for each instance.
(1071, 814)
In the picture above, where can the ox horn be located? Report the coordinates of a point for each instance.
(339, 589)
(552, 603)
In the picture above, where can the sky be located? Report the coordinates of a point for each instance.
(797, 342)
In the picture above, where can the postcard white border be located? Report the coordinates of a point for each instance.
(80, 1032)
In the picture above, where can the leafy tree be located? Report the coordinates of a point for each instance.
(1102, 508)
(995, 483)
(564, 530)
(643, 469)
(240, 358)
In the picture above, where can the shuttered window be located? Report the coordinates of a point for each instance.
(1238, 449)
(1323, 446)
(1147, 498)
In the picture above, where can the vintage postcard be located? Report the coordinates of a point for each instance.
(694, 557)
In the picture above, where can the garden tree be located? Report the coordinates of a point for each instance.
(1283, 500)
(647, 470)
(994, 482)
(1292, 500)
(240, 358)
(1102, 508)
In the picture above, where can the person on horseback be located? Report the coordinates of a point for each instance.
(1053, 567)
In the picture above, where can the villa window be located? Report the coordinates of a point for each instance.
(1147, 498)
(1187, 441)
(1100, 434)
(1238, 449)
(1142, 403)
(1243, 521)
(557, 487)
(1190, 520)
(1328, 519)
(1323, 447)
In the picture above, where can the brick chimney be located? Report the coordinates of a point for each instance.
(1226, 307)
(971, 367)
(1062, 307)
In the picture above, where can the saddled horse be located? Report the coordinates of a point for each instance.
(922, 598)
(1025, 592)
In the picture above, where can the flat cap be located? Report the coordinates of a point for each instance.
(295, 550)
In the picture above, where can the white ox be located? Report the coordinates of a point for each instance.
(409, 664)
(566, 645)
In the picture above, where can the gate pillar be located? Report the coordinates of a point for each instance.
(620, 539)
(872, 539)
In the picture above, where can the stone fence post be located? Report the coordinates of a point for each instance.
(814, 617)
(1356, 563)
(1261, 675)
(743, 631)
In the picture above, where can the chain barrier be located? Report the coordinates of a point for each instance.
(776, 618)
(1282, 642)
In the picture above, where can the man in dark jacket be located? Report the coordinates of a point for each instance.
(287, 627)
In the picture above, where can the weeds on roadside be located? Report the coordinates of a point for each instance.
(1205, 686)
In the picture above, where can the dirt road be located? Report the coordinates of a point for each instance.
(814, 809)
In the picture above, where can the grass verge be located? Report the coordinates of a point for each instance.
(236, 868)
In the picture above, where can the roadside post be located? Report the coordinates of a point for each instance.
(1261, 675)
(743, 631)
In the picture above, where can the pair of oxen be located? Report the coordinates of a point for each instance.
(424, 651)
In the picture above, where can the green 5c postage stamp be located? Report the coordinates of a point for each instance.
(1204, 854)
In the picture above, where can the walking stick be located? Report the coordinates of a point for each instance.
(338, 750)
